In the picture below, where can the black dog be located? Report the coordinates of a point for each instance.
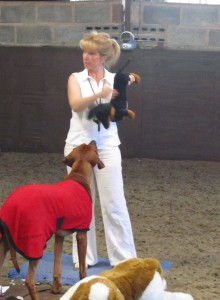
(118, 107)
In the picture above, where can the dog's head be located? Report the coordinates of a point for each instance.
(84, 152)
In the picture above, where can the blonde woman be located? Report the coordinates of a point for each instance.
(92, 86)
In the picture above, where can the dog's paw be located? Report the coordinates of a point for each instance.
(56, 287)
(76, 265)
(136, 77)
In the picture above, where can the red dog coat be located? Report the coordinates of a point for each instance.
(33, 213)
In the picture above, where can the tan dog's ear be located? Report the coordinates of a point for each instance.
(93, 143)
(67, 161)
(100, 164)
(73, 155)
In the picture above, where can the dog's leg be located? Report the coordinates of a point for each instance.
(58, 247)
(81, 238)
(30, 278)
(131, 114)
(3, 251)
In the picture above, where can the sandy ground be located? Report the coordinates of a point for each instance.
(174, 208)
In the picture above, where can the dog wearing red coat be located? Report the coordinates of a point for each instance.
(33, 213)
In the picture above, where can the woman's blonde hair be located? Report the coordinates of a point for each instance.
(104, 44)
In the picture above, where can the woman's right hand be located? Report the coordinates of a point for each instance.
(106, 92)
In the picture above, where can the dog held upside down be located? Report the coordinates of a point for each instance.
(133, 279)
(117, 109)
(33, 213)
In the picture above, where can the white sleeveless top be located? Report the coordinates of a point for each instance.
(83, 130)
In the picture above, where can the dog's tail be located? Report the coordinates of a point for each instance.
(14, 259)
(102, 113)
(4, 247)
(13, 254)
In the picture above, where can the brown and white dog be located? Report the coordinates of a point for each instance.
(33, 213)
(133, 279)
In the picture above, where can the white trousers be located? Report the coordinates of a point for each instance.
(116, 220)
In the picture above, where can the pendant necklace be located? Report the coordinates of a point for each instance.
(97, 101)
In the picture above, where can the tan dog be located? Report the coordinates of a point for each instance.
(133, 279)
(33, 213)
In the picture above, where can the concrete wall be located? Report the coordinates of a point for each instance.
(154, 24)
(176, 26)
(56, 23)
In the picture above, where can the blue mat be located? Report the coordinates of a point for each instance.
(70, 275)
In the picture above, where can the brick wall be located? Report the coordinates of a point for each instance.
(154, 23)
(56, 23)
(176, 26)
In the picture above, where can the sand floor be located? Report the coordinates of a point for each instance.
(174, 208)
